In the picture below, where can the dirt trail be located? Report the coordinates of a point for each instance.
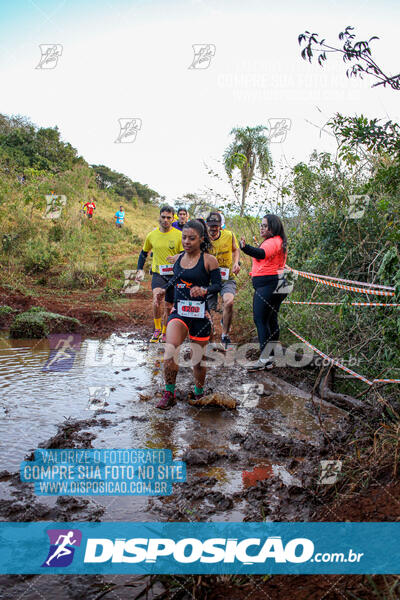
(258, 462)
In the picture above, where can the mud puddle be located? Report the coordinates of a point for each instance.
(258, 462)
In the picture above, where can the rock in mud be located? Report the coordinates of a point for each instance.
(214, 399)
(200, 456)
(221, 501)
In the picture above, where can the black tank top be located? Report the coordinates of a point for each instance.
(185, 279)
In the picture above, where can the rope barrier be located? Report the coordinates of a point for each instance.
(342, 287)
(377, 285)
(340, 366)
(340, 303)
(334, 362)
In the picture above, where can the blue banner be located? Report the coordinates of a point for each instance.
(103, 472)
(200, 548)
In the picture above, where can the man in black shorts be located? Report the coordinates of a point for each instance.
(164, 241)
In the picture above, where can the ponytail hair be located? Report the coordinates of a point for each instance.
(200, 226)
(275, 226)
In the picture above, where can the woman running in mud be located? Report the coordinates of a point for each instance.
(269, 260)
(196, 274)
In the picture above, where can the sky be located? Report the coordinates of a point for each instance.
(128, 60)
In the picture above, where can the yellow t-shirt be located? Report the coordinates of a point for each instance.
(222, 250)
(163, 245)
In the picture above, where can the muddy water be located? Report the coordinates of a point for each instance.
(235, 444)
(258, 462)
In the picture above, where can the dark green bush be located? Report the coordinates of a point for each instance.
(38, 323)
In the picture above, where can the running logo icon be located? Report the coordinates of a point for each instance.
(203, 54)
(278, 130)
(98, 397)
(54, 205)
(128, 129)
(50, 55)
(63, 349)
(62, 547)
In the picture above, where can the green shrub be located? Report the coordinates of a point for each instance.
(56, 233)
(6, 310)
(8, 241)
(36, 309)
(103, 314)
(39, 256)
(81, 275)
(38, 323)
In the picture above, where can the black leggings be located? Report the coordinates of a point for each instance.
(265, 312)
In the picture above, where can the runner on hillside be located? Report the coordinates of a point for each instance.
(196, 274)
(225, 249)
(90, 207)
(119, 217)
(183, 217)
(162, 241)
(269, 260)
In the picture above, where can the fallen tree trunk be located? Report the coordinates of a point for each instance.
(341, 400)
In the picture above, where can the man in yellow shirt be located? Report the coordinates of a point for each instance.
(226, 250)
(163, 241)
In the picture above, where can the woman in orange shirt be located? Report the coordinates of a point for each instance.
(269, 260)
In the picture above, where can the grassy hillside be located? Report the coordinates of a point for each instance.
(71, 252)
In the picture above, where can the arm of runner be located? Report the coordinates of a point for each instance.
(173, 259)
(147, 246)
(235, 256)
(258, 253)
(215, 286)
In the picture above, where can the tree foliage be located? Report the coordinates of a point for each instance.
(24, 145)
(122, 185)
(356, 52)
(249, 153)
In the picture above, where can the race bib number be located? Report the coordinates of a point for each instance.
(224, 273)
(191, 308)
(166, 269)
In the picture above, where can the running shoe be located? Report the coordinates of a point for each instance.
(225, 341)
(167, 401)
(163, 338)
(155, 338)
(261, 365)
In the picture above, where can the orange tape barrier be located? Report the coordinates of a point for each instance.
(341, 286)
(340, 304)
(377, 285)
(338, 364)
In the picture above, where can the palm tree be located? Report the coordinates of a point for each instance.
(248, 151)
